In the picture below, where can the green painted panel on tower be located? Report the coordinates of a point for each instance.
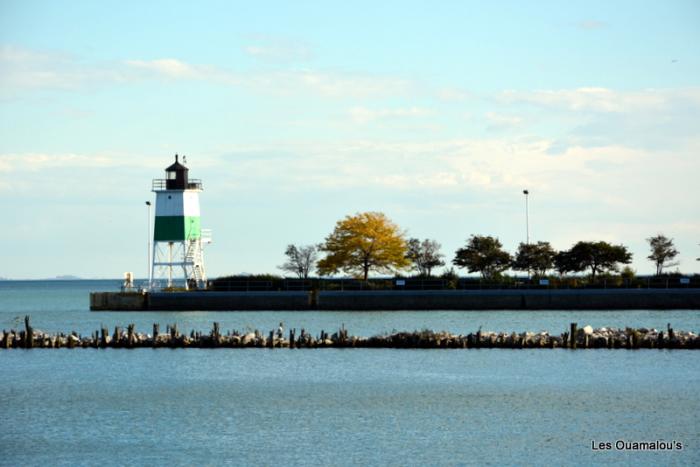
(176, 228)
(192, 228)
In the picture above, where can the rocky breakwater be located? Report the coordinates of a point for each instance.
(575, 338)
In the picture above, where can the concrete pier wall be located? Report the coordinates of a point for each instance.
(222, 301)
(594, 299)
(118, 301)
(569, 299)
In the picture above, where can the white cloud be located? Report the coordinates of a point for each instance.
(37, 162)
(350, 84)
(452, 95)
(411, 181)
(364, 115)
(326, 84)
(169, 67)
(24, 69)
(651, 119)
(609, 174)
(603, 100)
(32, 162)
(498, 120)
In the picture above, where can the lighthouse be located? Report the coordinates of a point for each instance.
(178, 238)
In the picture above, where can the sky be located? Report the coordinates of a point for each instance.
(297, 114)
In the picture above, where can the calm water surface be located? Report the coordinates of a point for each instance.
(338, 406)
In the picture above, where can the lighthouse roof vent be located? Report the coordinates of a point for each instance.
(176, 166)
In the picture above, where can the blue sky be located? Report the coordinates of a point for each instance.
(296, 114)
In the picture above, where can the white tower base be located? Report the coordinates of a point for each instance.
(179, 264)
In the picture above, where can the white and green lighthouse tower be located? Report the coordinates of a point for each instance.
(178, 238)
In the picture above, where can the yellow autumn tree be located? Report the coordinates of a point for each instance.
(365, 242)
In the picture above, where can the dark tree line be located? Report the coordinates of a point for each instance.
(485, 255)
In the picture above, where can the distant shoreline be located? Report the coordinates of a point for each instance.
(61, 279)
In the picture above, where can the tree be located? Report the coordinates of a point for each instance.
(300, 260)
(365, 242)
(628, 273)
(425, 255)
(596, 256)
(564, 262)
(662, 252)
(537, 257)
(483, 254)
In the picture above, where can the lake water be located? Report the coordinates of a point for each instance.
(338, 406)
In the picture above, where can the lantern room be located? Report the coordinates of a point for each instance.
(176, 176)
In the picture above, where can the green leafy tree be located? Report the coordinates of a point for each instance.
(365, 242)
(301, 260)
(662, 252)
(537, 257)
(424, 255)
(564, 262)
(628, 273)
(596, 256)
(483, 254)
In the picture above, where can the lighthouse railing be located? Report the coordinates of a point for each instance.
(160, 184)
(205, 235)
(194, 184)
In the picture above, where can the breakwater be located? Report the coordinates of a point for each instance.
(574, 338)
(548, 299)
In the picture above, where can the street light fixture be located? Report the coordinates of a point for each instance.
(148, 243)
(527, 220)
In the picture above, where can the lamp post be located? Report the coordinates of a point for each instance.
(527, 220)
(148, 242)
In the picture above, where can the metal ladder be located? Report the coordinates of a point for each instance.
(193, 258)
